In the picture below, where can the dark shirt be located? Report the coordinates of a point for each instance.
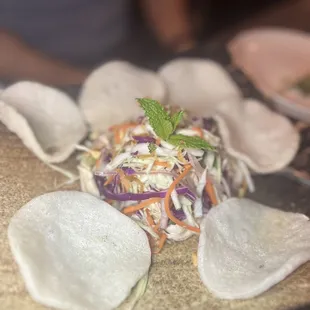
(80, 32)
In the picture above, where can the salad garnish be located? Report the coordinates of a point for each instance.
(165, 170)
(165, 125)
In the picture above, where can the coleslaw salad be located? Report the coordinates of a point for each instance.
(166, 189)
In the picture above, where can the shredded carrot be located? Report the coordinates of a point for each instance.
(98, 162)
(109, 201)
(117, 137)
(109, 180)
(124, 181)
(157, 142)
(152, 242)
(161, 242)
(124, 126)
(150, 220)
(199, 131)
(145, 203)
(161, 163)
(120, 129)
(210, 191)
(167, 201)
(156, 228)
(126, 184)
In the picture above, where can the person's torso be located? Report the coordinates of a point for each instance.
(77, 31)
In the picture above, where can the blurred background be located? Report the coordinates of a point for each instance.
(60, 41)
(224, 18)
(215, 22)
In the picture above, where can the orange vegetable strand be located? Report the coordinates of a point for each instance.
(120, 129)
(145, 203)
(150, 220)
(199, 131)
(210, 191)
(161, 164)
(167, 201)
(125, 182)
(109, 180)
(161, 242)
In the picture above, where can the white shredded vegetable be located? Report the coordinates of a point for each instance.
(136, 172)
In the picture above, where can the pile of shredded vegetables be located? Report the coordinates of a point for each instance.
(166, 190)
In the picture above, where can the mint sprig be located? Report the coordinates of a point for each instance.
(189, 142)
(164, 125)
(176, 119)
(158, 117)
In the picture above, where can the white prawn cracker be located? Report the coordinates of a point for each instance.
(245, 248)
(75, 251)
(265, 140)
(198, 85)
(256, 53)
(276, 75)
(46, 120)
(109, 93)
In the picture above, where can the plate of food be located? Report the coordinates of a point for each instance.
(167, 177)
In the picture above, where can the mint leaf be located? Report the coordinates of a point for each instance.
(152, 147)
(176, 119)
(164, 126)
(190, 142)
(165, 130)
(153, 107)
(158, 117)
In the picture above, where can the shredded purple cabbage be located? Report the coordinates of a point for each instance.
(179, 214)
(144, 139)
(108, 192)
(106, 155)
(208, 123)
(128, 170)
(138, 214)
(107, 158)
(206, 203)
(116, 181)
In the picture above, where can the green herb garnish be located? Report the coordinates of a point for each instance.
(158, 117)
(152, 147)
(189, 142)
(176, 119)
(164, 125)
